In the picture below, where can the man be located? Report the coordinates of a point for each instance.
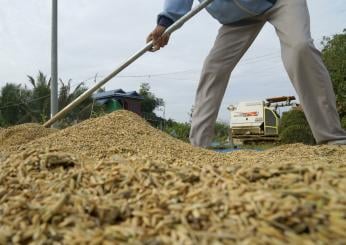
(241, 21)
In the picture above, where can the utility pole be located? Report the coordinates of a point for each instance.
(54, 64)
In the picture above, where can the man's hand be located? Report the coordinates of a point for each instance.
(158, 37)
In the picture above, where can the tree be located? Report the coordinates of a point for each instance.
(294, 128)
(40, 100)
(343, 122)
(67, 94)
(178, 130)
(149, 105)
(14, 101)
(18, 104)
(334, 56)
(221, 132)
(150, 102)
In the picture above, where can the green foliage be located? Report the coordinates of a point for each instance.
(294, 128)
(98, 110)
(2, 122)
(182, 130)
(40, 98)
(297, 134)
(178, 130)
(221, 132)
(343, 122)
(14, 101)
(293, 117)
(334, 56)
(67, 94)
(19, 104)
(149, 105)
(150, 102)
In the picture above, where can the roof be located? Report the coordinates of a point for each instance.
(116, 94)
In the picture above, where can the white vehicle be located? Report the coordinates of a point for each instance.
(257, 118)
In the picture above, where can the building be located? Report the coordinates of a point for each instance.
(119, 99)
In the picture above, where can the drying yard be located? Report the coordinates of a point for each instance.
(116, 180)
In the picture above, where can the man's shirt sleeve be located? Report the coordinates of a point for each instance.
(173, 10)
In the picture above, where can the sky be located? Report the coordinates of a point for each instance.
(96, 36)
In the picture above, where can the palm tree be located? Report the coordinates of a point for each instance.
(40, 99)
(14, 101)
(69, 93)
(20, 105)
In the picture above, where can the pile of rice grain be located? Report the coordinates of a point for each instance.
(125, 133)
(22, 134)
(116, 180)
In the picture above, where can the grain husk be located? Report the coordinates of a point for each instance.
(22, 134)
(116, 180)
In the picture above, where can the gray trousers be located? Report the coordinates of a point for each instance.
(302, 62)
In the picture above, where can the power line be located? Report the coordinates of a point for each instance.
(250, 61)
(266, 69)
(245, 62)
(159, 74)
(272, 55)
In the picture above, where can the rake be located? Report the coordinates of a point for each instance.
(178, 24)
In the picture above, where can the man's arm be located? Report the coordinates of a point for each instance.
(173, 10)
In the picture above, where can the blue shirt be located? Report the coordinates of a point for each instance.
(225, 11)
